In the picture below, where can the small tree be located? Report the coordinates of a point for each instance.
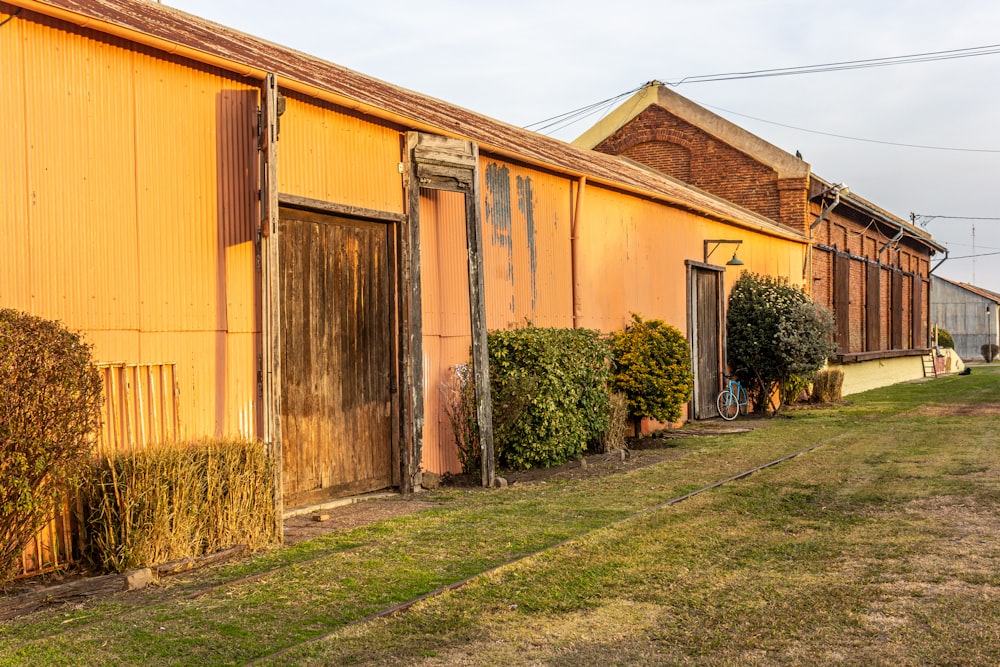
(775, 332)
(50, 397)
(651, 365)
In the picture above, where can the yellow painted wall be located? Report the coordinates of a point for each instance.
(633, 253)
(130, 210)
(329, 155)
(879, 373)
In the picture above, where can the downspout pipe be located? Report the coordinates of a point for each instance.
(575, 251)
(837, 190)
(943, 260)
(888, 243)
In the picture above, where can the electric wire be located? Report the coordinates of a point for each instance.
(564, 119)
(929, 56)
(844, 136)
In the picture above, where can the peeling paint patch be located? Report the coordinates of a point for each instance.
(526, 204)
(498, 214)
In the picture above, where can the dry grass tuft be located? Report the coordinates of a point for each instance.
(152, 506)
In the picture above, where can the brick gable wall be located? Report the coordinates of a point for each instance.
(662, 141)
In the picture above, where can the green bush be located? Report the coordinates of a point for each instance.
(989, 352)
(651, 365)
(944, 339)
(557, 399)
(50, 399)
(774, 332)
(155, 505)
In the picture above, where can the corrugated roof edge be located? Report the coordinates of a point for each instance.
(884, 216)
(174, 31)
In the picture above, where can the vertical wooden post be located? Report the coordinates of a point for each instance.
(411, 349)
(271, 288)
(477, 312)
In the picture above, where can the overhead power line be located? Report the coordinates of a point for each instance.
(565, 119)
(929, 56)
(850, 138)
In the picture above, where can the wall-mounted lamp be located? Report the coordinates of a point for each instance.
(715, 243)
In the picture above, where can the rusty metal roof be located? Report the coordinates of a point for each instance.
(198, 37)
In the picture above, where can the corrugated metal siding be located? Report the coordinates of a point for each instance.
(632, 255)
(331, 156)
(447, 335)
(15, 261)
(526, 242)
(132, 182)
(80, 181)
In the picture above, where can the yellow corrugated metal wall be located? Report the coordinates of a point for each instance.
(526, 246)
(337, 157)
(130, 183)
(633, 252)
(447, 336)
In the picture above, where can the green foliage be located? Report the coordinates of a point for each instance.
(944, 339)
(50, 398)
(775, 332)
(989, 352)
(651, 365)
(550, 389)
(156, 505)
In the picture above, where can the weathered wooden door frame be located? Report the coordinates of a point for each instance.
(442, 163)
(692, 314)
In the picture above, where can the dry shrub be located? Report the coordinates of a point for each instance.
(152, 506)
(613, 439)
(827, 386)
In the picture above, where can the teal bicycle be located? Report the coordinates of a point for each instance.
(733, 400)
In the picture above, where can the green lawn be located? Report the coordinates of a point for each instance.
(878, 548)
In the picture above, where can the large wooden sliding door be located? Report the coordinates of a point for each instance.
(336, 356)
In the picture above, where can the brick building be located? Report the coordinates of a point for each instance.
(869, 267)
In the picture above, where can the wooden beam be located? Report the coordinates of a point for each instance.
(477, 312)
(271, 289)
(339, 209)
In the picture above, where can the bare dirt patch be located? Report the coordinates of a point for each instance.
(962, 410)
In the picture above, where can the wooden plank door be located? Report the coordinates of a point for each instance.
(336, 356)
(705, 310)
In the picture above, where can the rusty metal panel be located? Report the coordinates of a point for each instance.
(447, 332)
(527, 250)
(330, 155)
(336, 358)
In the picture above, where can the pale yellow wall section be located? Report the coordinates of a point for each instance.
(131, 207)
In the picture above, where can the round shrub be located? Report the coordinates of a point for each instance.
(50, 398)
(651, 365)
(944, 339)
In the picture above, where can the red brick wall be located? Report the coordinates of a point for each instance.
(865, 241)
(673, 146)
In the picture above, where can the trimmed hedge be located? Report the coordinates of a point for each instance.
(562, 375)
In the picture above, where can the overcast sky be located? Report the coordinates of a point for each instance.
(525, 61)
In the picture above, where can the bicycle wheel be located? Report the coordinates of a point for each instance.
(743, 401)
(728, 408)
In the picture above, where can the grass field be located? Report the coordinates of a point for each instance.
(879, 547)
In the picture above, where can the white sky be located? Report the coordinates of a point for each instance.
(523, 62)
